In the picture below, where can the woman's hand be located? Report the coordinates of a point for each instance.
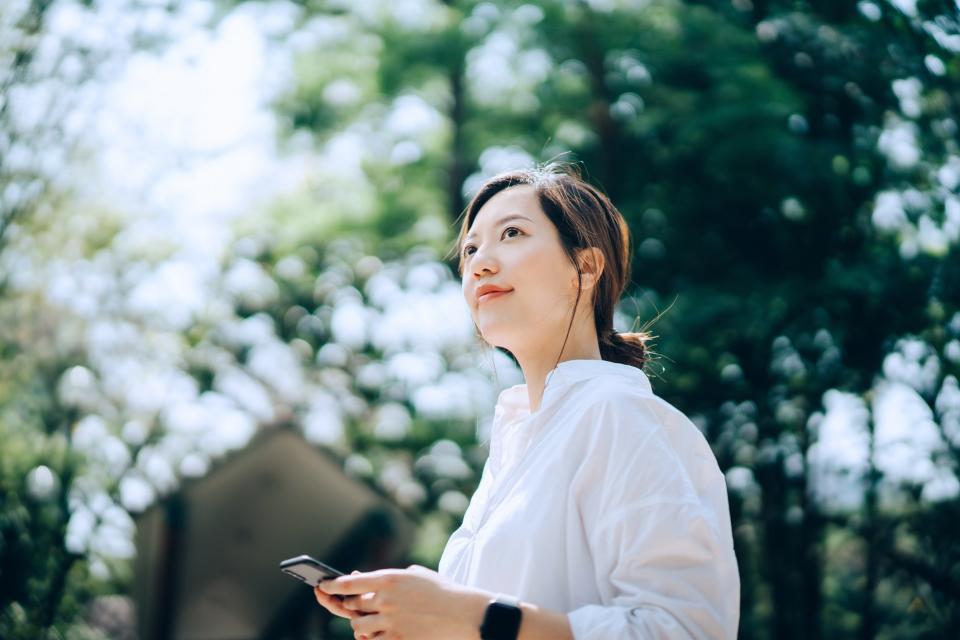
(335, 604)
(406, 603)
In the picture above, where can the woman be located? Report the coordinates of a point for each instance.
(601, 512)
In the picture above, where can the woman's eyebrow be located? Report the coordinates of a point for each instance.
(512, 216)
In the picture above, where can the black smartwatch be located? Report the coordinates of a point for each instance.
(502, 619)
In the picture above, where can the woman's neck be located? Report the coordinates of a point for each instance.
(535, 369)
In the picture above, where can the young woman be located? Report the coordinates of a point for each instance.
(601, 512)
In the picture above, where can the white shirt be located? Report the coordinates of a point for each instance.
(605, 504)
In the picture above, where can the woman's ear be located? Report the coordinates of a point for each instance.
(591, 266)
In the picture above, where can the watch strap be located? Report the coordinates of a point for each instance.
(501, 621)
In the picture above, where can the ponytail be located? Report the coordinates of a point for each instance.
(625, 348)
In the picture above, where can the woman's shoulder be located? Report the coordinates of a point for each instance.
(612, 402)
(615, 394)
(617, 408)
(639, 435)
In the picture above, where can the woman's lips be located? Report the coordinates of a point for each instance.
(492, 295)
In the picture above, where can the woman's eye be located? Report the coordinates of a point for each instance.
(466, 249)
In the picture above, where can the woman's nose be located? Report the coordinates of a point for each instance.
(482, 261)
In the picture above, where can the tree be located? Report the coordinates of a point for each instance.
(762, 152)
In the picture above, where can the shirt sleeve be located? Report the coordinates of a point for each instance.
(663, 557)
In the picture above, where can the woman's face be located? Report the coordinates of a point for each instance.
(514, 246)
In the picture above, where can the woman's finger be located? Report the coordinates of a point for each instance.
(367, 625)
(364, 603)
(333, 604)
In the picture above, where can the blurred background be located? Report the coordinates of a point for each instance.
(230, 332)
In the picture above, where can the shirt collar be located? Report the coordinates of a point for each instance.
(514, 403)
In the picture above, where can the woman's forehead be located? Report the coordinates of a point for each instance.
(519, 200)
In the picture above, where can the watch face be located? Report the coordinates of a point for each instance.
(501, 622)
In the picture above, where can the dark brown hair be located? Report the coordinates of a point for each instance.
(584, 217)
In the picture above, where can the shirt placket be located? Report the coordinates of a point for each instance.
(508, 476)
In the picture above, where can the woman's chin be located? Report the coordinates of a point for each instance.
(495, 338)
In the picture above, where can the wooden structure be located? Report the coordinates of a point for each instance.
(207, 556)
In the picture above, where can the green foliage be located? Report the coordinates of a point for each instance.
(790, 174)
(43, 585)
(748, 145)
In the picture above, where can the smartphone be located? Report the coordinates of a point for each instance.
(308, 570)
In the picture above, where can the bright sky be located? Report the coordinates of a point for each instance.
(187, 135)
